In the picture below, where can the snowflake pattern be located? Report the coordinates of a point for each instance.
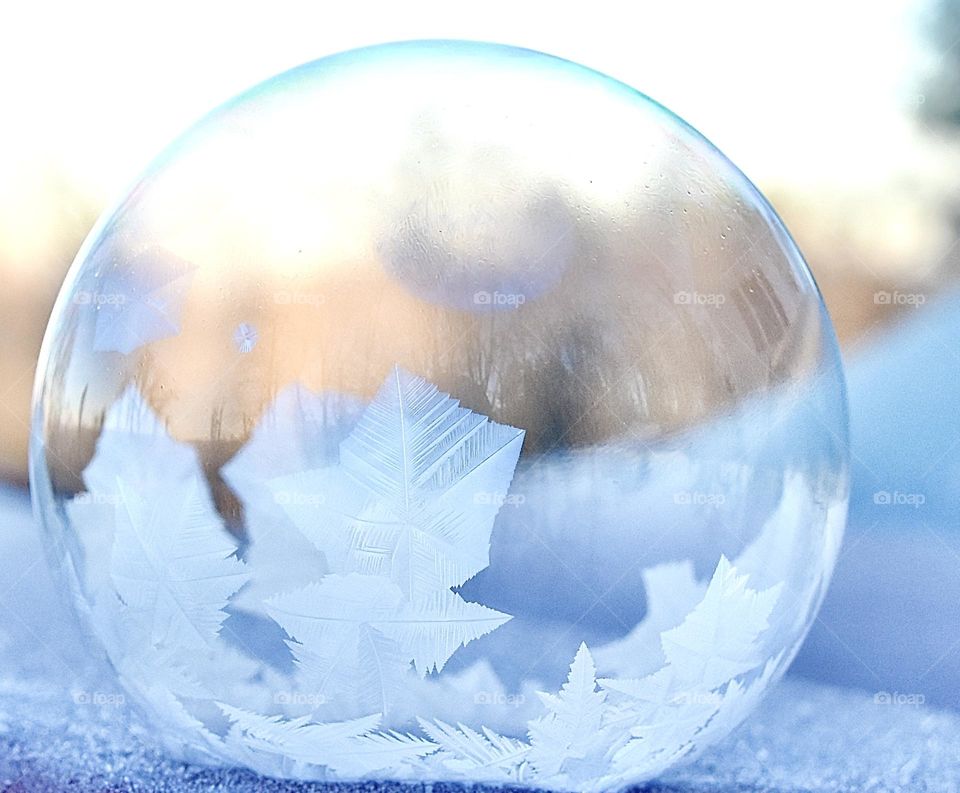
(387, 526)
(139, 301)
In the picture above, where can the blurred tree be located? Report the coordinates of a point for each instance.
(940, 90)
(44, 217)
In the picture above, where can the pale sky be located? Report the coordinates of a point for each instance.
(809, 94)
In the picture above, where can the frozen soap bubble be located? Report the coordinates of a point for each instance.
(443, 411)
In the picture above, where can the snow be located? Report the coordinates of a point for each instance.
(889, 621)
(905, 427)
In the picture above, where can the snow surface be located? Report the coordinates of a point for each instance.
(891, 620)
(806, 737)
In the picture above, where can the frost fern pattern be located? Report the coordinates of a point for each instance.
(374, 533)
(398, 523)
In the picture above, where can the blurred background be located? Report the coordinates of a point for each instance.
(846, 115)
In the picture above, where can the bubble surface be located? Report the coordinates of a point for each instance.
(442, 411)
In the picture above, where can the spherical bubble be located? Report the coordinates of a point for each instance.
(443, 411)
